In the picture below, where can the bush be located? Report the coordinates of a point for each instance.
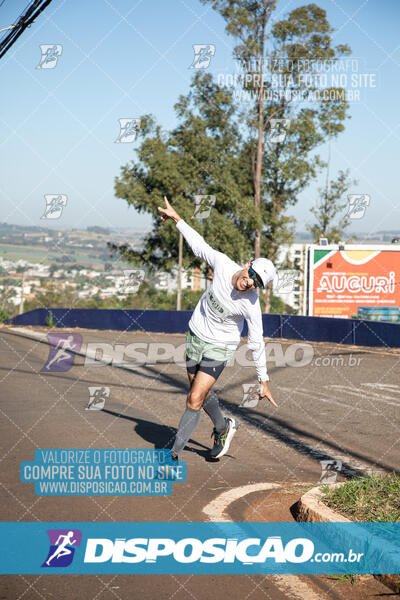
(49, 319)
(4, 314)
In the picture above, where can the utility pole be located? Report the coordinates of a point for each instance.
(328, 164)
(179, 294)
(21, 304)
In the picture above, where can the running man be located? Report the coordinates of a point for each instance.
(214, 334)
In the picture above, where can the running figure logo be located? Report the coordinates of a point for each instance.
(55, 204)
(358, 204)
(61, 352)
(161, 281)
(128, 131)
(284, 282)
(97, 397)
(202, 55)
(251, 395)
(133, 279)
(203, 205)
(330, 470)
(278, 131)
(50, 55)
(61, 551)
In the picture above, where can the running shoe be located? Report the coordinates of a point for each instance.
(223, 438)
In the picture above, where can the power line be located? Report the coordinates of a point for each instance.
(25, 20)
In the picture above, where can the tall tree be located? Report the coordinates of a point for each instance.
(276, 59)
(328, 221)
(248, 23)
(235, 151)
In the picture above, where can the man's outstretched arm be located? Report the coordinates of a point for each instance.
(196, 242)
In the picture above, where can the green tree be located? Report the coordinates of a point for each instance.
(201, 156)
(52, 269)
(4, 314)
(224, 148)
(282, 169)
(328, 222)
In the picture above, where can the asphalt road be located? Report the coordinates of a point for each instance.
(338, 403)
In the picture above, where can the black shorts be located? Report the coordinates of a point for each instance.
(207, 365)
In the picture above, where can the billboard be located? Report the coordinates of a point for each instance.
(342, 280)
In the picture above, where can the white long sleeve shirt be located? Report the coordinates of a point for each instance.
(219, 315)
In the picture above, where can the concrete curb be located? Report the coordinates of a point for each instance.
(310, 508)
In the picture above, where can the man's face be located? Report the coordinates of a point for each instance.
(244, 282)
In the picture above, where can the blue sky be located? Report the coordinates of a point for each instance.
(124, 58)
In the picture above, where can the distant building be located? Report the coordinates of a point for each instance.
(199, 281)
(289, 283)
(191, 279)
(38, 270)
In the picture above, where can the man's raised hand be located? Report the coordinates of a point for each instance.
(168, 212)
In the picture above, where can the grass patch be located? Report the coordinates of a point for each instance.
(49, 319)
(348, 578)
(375, 498)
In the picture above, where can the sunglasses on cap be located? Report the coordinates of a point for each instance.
(255, 277)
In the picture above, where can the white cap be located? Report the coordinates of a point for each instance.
(264, 269)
